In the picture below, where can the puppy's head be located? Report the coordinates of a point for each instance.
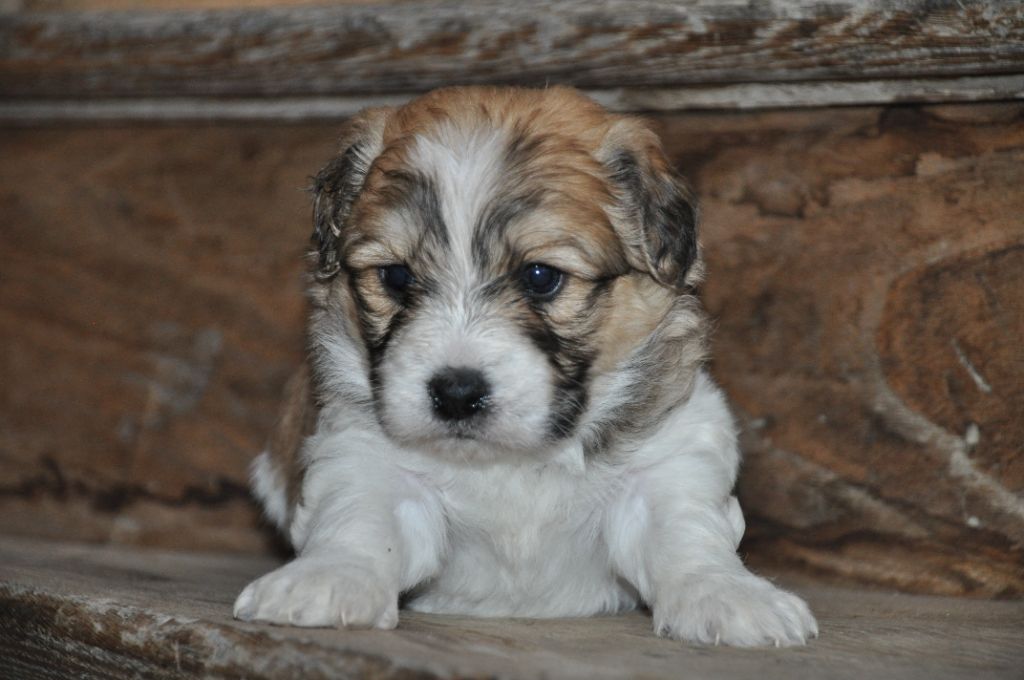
(499, 267)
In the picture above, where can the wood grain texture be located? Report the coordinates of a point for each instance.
(414, 47)
(863, 267)
(150, 5)
(97, 613)
(150, 307)
(732, 97)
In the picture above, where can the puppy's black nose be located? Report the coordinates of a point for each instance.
(458, 393)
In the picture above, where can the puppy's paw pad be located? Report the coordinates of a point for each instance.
(745, 611)
(319, 593)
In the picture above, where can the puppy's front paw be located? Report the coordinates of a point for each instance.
(320, 592)
(743, 610)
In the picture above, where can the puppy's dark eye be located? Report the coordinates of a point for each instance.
(396, 278)
(541, 281)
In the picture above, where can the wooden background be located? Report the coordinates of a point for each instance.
(866, 263)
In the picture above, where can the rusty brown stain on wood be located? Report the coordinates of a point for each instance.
(844, 259)
(951, 345)
(144, 350)
(415, 46)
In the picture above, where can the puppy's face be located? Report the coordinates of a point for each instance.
(494, 253)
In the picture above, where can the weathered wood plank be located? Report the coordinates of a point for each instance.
(740, 96)
(144, 343)
(411, 47)
(150, 5)
(95, 613)
(861, 271)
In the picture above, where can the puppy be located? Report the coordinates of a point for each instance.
(505, 412)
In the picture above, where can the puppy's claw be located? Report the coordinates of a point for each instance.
(742, 610)
(243, 610)
(319, 593)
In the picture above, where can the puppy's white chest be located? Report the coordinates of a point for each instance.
(518, 513)
(524, 542)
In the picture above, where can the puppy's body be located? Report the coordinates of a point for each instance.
(511, 418)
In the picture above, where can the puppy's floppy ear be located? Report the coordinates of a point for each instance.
(338, 184)
(656, 215)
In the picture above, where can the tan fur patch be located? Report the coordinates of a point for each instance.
(564, 128)
(296, 421)
(636, 307)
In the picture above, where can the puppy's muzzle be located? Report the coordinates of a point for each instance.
(458, 393)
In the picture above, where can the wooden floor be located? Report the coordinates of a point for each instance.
(80, 611)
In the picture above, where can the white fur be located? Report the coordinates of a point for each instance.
(450, 332)
(466, 163)
(530, 537)
(269, 487)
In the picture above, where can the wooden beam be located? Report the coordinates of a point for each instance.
(740, 96)
(350, 50)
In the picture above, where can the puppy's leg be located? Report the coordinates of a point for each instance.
(677, 545)
(365, 532)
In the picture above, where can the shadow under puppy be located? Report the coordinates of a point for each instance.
(504, 411)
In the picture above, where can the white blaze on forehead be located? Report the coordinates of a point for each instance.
(466, 166)
(453, 327)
